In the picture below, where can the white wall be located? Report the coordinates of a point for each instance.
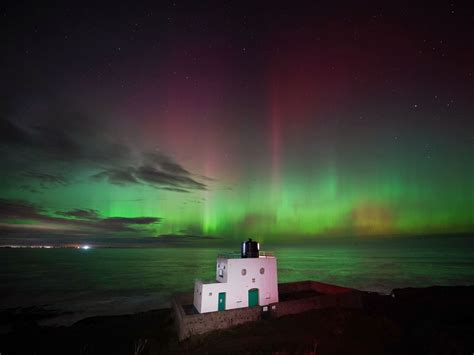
(239, 285)
(197, 295)
(210, 296)
(221, 269)
(206, 295)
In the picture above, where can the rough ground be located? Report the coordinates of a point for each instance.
(435, 320)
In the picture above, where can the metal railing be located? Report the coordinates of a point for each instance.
(266, 254)
(262, 254)
(229, 255)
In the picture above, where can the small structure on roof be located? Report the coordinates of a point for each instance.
(243, 280)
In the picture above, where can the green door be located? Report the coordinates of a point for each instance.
(221, 304)
(253, 297)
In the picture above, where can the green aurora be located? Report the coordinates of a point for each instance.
(334, 203)
(287, 129)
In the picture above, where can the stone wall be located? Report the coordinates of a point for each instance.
(203, 323)
(194, 324)
(348, 300)
(294, 287)
(177, 303)
(329, 289)
(330, 296)
(319, 287)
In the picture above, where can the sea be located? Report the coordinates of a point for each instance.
(77, 283)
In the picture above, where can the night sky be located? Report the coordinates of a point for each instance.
(231, 120)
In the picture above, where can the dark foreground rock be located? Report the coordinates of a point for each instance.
(434, 320)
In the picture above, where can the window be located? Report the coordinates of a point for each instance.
(262, 270)
(244, 272)
(210, 293)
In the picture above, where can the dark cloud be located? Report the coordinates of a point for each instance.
(161, 178)
(175, 189)
(120, 176)
(14, 213)
(192, 229)
(127, 224)
(178, 239)
(62, 134)
(80, 214)
(15, 209)
(157, 170)
(67, 133)
(46, 180)
(58, 139)
(165, 163)
(11, 133)
(28, 188)
(18, 237)
(132, 220)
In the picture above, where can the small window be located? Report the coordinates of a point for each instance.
(253, 280)
(262, 270)
(244, 272)
(210, 293)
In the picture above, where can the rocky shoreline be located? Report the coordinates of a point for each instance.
(433, 320)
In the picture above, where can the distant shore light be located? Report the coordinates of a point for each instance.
(85, 247)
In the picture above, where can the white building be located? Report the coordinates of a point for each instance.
(244, 280)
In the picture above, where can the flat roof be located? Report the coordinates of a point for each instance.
(263, 254)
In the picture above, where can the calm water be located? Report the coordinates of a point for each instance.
(118, 281)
